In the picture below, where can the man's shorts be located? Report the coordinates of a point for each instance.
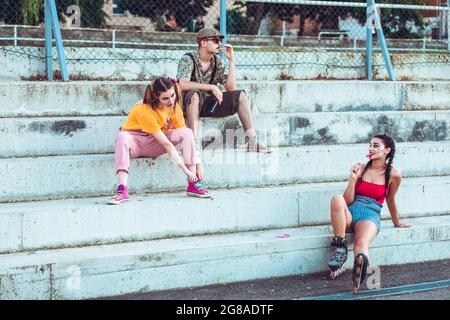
(228, 107)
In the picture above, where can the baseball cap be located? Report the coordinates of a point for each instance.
(209, 33)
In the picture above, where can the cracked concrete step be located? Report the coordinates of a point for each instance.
(126, 268)
(89, 135)
(37, 99)
(43, 178)
(80, 222)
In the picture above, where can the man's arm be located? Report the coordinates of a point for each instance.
(230, 85)
(184, 73)
(186, 85)
(185, 68)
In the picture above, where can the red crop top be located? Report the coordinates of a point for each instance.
(371, 190)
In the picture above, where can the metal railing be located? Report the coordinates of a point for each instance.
(260, 29)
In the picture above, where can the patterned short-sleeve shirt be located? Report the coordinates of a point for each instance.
(186, 66)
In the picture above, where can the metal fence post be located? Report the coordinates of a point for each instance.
(52, 24)
(58, 41)
(48, 41)
(15, 35)
(382, 40)
(369, 42)
(223, 20)
(448, 25)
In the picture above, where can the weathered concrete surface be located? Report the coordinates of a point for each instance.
(81, 222)
(90, 175)
(252, 64)
(75, 135)
(88, 98)
(184, 262)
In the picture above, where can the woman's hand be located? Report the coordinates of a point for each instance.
(200, 172)
(356, 171)
(403, 225)
(191, 176)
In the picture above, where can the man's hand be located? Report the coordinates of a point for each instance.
(229, 53)
(217, 93)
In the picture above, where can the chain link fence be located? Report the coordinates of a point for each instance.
(300, 39)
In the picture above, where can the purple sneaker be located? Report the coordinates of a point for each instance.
(120, 196)
(197, 189)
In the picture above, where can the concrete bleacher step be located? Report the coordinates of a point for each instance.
(38, 99)
(195, 261)
(59, 177)
(74, 135)
(82, 222)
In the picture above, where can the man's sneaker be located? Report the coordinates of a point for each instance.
(197, 189)
(120, 196)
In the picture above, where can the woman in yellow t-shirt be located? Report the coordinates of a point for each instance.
(153, 128)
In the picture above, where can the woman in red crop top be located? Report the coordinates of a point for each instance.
(358, 210)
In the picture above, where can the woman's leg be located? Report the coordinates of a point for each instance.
(184, 137)
(125, 148)
(341, 217)
(340, 220)
(365, 232)
(123, 177)
(124, 143)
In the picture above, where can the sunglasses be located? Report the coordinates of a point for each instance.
(215, 40)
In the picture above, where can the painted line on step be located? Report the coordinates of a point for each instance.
(426, 286)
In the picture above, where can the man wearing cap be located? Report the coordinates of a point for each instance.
(199, 73)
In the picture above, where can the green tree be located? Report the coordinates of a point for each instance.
(21, 11)
(31, 12)
(237, 21)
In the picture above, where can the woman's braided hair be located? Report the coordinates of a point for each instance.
(388, 143)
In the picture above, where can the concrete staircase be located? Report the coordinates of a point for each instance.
(269, 215)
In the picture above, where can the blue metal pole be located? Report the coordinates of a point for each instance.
(448, 25)
(223, 20)
(48, 41)
(58, 41)
(369, 41)
(383, 44)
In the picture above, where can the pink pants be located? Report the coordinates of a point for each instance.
(134, 144)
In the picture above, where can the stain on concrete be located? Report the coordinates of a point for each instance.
(422, 131)
(68, 127)
(367, 107)
(100, 93)
(150, 257)
(383, 125)
(441, 131)
(62, 127)
(322, 136)
(298, 123)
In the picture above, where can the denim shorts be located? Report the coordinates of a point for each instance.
(365, 209)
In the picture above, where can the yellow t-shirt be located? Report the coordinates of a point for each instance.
(143, 117)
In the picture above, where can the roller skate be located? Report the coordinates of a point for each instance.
(359, 271)
(338, 258)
